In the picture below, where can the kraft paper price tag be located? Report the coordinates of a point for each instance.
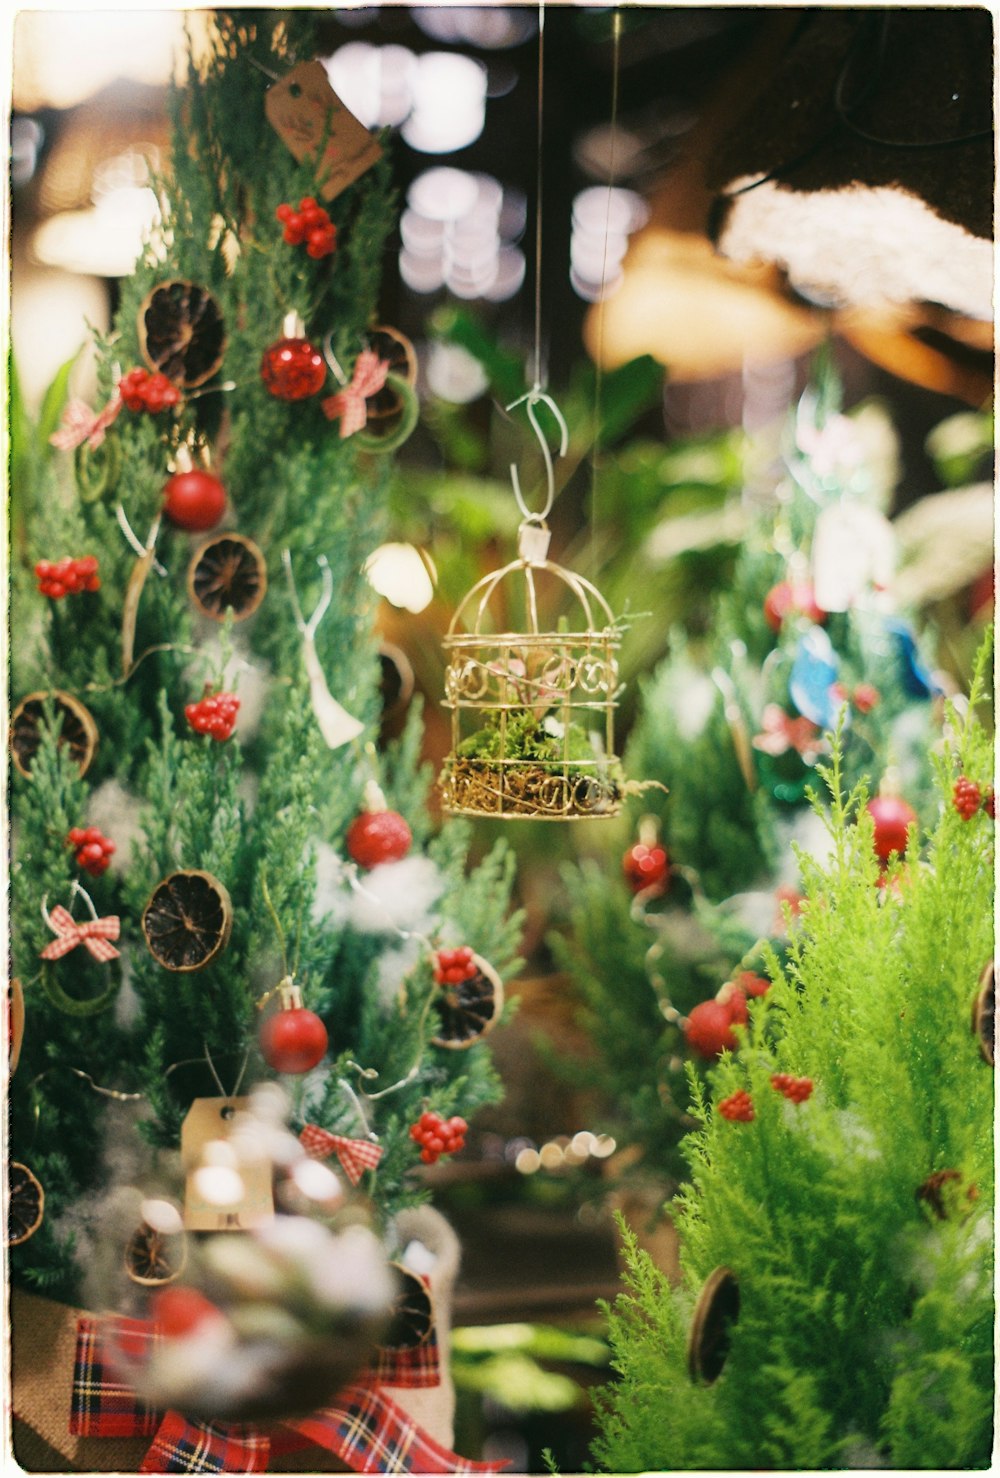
(221, 1196)
(303, 110)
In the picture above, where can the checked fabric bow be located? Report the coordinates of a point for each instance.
(94, 934)
(355, 1155)
(349, 403)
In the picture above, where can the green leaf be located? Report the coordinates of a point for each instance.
(54, 400)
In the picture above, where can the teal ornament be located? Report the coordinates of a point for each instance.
(813, 683)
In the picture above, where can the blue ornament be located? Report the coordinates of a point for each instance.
(814, 673)
(914, 676)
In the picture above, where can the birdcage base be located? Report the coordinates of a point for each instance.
(519, 791)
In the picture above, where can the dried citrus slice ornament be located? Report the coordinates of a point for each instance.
(78, 732)
(412, 1318)
(156, 1254)
(187, 921)
(181, 332)
(227, 574)
(468, 1009)
(25, 1204)
(15, 1021)
(984, 1014)
(394, 349)
(715, 1313)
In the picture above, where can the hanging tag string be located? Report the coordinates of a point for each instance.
(533, 398)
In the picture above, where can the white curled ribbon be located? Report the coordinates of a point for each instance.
(336, 725)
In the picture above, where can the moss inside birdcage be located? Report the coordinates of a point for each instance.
(527, 737)
(531, 766)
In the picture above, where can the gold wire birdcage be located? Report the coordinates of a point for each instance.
(532, 711)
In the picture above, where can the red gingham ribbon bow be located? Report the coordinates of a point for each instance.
(349, 404)
(80, 424)
(782, 732)
(355, 1155)
(94, 933)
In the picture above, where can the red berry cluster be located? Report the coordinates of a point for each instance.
(141, 391)
(738, 1108)
(311, 224)
(438, 1136)
(751, 984)
(67, 576)
(215, 714)
(967, 798)
(865, 697)
(452, 966)
(796, 1090)
(646, 867)
(93, 850)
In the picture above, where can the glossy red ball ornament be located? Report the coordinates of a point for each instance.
(293, 1040)
(892, 817)
(709, 1028)
(194, 500)
(292, 369)
(646, 867)
(378, 836)
(786, 598)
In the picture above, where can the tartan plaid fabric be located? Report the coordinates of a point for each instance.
(182, 1446)
(412, 1369)
(103, 1405)
(371, 1434)
(363, 1427)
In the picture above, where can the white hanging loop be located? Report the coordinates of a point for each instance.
(536, 396)
(336, 725)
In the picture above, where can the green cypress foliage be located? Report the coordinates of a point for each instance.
(256, 815)
(857, 1222)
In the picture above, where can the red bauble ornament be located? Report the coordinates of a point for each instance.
(751, 984)
(194, 500)
(786, 599)
(892, 817)
(709, 1028)
(292, 369)
(181, 1310)
(378, 836)
(294, 1039)
(646, 867)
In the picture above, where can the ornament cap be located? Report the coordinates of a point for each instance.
(533, 542)
(374, 796)
(289, 995)
(182, 458)
(293, 326)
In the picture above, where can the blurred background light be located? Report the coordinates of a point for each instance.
(457, 232)
(63, 57)
(453, 374)
(402, 574)
(449, 103)
(604, 217)
(493, 27)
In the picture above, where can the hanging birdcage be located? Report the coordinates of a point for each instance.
(532, 711)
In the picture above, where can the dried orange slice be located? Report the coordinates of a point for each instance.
(25, 1205)
(412, 1317)
(153, 1258)
(715, 1313)
(78, 732)
(15, 1021)
(181, 332)
(392, 346)
(187, 921)
(226, 574)
(468, 1010)
(984, 1014)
